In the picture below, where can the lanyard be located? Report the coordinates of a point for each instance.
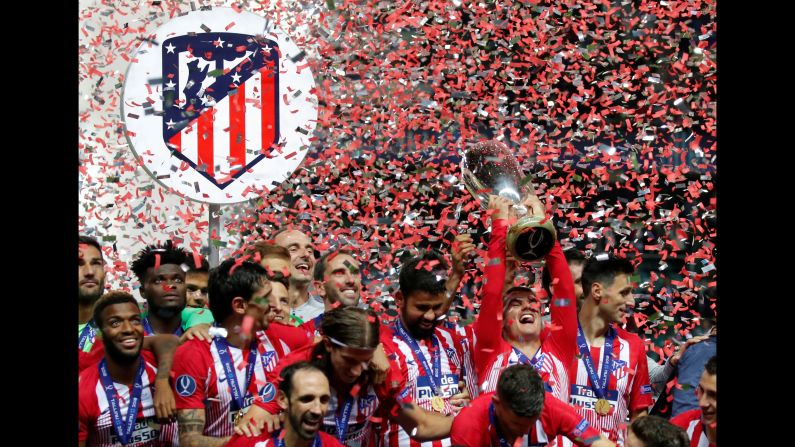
(599, 384)
(88, 333)
(149, 331)
(435, 373)
(123, 427)
(238, 398)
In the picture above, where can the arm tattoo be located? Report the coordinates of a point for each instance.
(191, 427)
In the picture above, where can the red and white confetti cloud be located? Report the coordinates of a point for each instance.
(609, 105)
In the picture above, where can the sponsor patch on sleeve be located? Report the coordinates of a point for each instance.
(580, 428)
(186, 385)
(645, 389)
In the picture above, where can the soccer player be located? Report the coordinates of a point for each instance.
(433, 356)
(358, 404)
(702, 423)
(90, 285)
(218, 380)
(509, 328)
(610, 377)
(196, 283)
(520, 412)
(304, 394)
(338, 281)
(654, 431)
(159, 268)
(123, 398)
(302, 262)
(276, 261)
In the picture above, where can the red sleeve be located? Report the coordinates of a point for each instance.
(86, 359)
(390, 391)
(192, 363)
(683, 420)
(304, 354)
(294, 337)
(559, 418)
(563, 307)
(470, 426)
(488, 325)
(327, 440)
(87, 407)
(640, 397)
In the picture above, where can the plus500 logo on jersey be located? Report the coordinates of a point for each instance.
(216, 106)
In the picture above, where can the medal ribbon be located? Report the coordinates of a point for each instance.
(599, 384)
(149, 331)
(222, 346)
(435, 373)
(342, 423)
(536, 362)
(123, 427)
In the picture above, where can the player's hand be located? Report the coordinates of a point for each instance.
(200, 331)
(255, 419)
(534, 206)
(503, 206)
(674, 360)
(165, 405)
(379, 364)
(462, 399)
(461, 248)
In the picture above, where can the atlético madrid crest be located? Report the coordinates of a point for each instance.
(219, 104)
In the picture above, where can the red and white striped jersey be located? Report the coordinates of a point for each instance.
(453, 352)
(96, 427)
(381, 399)
(558, 340)
(200, 381)
(628, 385)
(552, 371)
(267, 440)
(473, 427)
(690, 421)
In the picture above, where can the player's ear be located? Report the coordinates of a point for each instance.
(281, 398)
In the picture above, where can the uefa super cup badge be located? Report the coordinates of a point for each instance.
(219, 104)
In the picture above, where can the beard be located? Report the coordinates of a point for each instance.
(123, 358)
(88, 298)
(296, 421)
(165, 313)
(416, 331)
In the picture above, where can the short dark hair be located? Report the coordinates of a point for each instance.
(232, 279)
(320, 265)
(203, 267)
(573, 256)
(603, 272)
(522, 390)
(712, 365)
(425, 273)
(654, 431)
(286, 375)
(169, 254)
(88, 240)
(109, 299)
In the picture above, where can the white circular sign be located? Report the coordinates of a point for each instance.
(219, 105)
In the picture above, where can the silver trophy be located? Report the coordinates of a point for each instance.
(489, 168)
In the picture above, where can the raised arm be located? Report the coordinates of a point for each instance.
(461, 247)
(488, 326)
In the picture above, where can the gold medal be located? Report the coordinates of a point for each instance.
(437, 403)
(237, 417)
(602, 407)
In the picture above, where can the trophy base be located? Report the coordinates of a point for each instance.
(529, 240)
